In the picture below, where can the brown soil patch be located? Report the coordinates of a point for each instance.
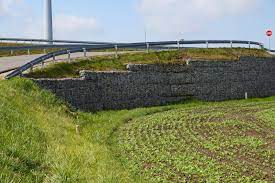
(272, 145)
(252, 133)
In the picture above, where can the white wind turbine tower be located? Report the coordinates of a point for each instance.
(48, 24)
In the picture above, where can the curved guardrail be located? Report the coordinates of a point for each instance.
(147, 45)
(33, 47)
(36, 44)
(72, 44)
(53, 41)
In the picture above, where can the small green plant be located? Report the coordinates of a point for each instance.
(214, 142)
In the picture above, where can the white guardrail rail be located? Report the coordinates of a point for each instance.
(39, 41)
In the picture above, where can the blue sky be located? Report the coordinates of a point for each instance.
(127, 20)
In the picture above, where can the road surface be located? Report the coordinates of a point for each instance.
(7, 63)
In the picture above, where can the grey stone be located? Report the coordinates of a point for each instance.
(150, 85)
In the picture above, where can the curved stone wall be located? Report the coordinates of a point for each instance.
(150, 85)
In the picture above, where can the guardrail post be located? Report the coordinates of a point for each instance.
(148, 47)
(249, 45)
(178, 45)
(231, 44)
(42, 64)
(31, 69)
(207, 44)
(54, 58)
(116, 51)
(11, 52)
(69, 55)
(29, 52)
(44, 51)
(85, 52)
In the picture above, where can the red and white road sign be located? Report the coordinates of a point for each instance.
(269, 33)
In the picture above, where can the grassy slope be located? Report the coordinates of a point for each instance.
(38, 141)
(61, 70)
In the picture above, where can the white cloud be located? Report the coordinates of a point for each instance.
(74, 23)
(6, 6)
(174, 16)
(65, 27)
(17, 17)
(76, 27)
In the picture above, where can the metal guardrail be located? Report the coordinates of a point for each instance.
(36, 44)
(42, 46)
(85, 48)
(39, 41)
(83, 44)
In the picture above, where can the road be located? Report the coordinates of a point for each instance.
(7, 63)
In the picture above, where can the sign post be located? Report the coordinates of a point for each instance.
(269, 34)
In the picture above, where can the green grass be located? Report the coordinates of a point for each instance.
(22, 52)
(227, 142)
(213, 142)
(38, 141)
(107, 63)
